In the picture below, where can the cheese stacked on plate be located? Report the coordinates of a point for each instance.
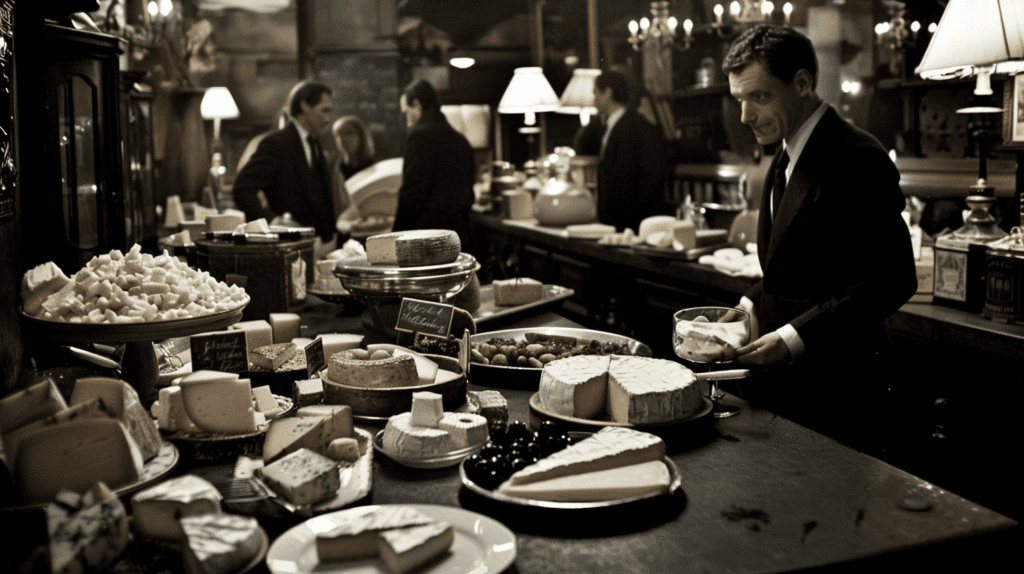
(415, 248)
(127, 288)
(403, 537)
(104, 435)
(611, 464)
(427, 430)
(214, 402)
(186, 512)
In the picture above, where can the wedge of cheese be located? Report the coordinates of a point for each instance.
(219, 402)
(35, 402)
(39, 283)
(405, 549)
(271, 357)
(123, 401)
(91, 409)
(157, 511)
(354, 534)
(289, 434)
(414, 248)
(220, 543)
(611, 447)
(75, 455)
(169, 410)
(284, 326)
(518, 291)
(650, 477)
(302, 477)
(338, 342)
(575, 386)
(87, 532)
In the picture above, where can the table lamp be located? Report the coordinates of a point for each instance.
(528, 93)
(217, 105)
(578, 97)
(973, 39)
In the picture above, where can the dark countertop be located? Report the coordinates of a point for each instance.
(759, 494)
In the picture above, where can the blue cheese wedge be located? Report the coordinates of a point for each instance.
(156, 511)
(87, 533)
(302, 477)
(354, 532)
(220, 543)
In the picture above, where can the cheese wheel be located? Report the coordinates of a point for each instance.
(401, 437)
(464, 429)
(415, 248)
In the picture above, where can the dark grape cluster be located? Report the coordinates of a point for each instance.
(512, 449)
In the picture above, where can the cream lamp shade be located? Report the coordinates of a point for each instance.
(578, 97)
(218, 103)
(528, 93)
(976, 38)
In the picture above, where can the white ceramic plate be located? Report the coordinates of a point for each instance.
(481, 544)
(433, 462)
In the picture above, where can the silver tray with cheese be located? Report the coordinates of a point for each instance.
(612, 467)
(426, 437)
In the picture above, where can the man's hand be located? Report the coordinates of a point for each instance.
(764, 353)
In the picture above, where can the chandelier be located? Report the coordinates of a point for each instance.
(661, 27)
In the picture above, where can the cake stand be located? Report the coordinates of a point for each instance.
(139, 364)
(382, 287)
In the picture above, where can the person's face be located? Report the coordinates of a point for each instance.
(771, 107)
(412, 112)
(317, 117)
(348, 139)
(603, 100)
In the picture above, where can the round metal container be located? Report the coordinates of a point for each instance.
(359, 277)
(380, 404)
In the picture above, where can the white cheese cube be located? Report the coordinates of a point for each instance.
(427, 409)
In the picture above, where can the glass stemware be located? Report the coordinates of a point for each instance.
(711, 335)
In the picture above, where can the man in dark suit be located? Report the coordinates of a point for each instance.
(633, 169)
(291, 170)
(834, 248)
(438, 168)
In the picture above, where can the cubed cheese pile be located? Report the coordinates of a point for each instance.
(137, 287)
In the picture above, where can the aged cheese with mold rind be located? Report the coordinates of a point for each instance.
(308, 392)
(405, 549)
(302, 477)
(416, 248)
(122, 399)
(271, 357)
(156, 511)
(75, 455)
(643, 390)
(395, 372)
(220, 543)
(610, 447)
(645, 478)
(401, 437)
(287, 435)
(89, 535)
(343, 450)
(356, 532)
(575, 386)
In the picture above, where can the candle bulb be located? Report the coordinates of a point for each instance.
(787, 11)
(734, 9)
(633, 28)
(915, 27)
(767, 8)
(644, 25)
(688, 27)
(718, 14)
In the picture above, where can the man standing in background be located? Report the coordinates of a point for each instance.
(438, 168)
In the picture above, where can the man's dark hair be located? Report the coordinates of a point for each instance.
(308, 91)
(618, 82)
(780, 49)
(423, 92)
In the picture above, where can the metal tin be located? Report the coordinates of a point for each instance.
(359, 277)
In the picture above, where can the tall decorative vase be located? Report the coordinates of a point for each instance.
(180, 147)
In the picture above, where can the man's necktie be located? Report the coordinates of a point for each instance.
(779, 185)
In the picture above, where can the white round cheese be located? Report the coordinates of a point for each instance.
(401, 437)
(464, 429)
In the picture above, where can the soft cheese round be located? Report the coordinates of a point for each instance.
(401, 437)
(631, 390)
(464, 429)
(393, 372)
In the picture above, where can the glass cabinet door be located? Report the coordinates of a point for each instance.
(76, 102)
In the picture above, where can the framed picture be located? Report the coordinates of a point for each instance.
(1013, 112)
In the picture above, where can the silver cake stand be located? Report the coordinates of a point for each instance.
(382, 287)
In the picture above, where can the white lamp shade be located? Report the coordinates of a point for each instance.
(973, 35)
(529, 92)
(218, 104)
(578, 96)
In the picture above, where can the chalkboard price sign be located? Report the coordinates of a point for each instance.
(427, 317)
(314, 358)
(222, 351)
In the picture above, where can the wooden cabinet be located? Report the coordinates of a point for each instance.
(72, 180)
